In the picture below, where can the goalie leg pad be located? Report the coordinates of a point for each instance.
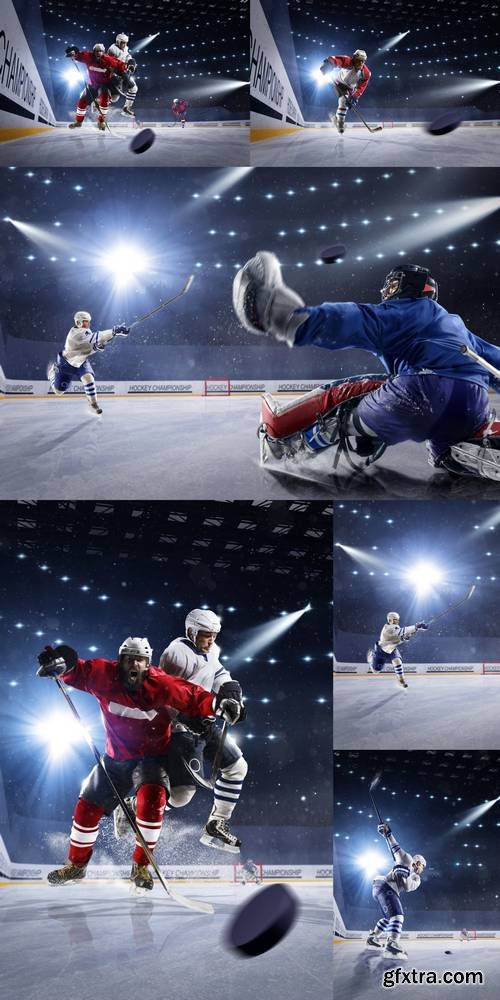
(262, 301)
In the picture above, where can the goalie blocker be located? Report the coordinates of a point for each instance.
(325, 417)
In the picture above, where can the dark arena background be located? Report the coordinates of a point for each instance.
(443, 805)
(425, 60)
(89, 575)
(418, 558)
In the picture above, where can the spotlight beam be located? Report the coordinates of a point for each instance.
(263, 635)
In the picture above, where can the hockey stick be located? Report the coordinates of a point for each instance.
(373, 785)
(481, 361)
(196, 776)
(167, 302)
(371, 128)
(190, 904)
(451, 607)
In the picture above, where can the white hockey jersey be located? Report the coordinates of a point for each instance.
(182, 659)
(399, 881)
(122, 54)
(81, 343)
(392, 635)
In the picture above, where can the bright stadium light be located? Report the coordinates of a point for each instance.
(474, 814)
(321, 79)
(72, 76)
(424, 576)
(371, 863)
(58, 731)
(125, 261)
(263, 635)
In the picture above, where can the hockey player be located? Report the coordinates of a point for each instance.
(250, 873)
(178, 110)
(127, 85)
(386, 650)
(134, 698)
(101, 69)
(72, 362)
(434, 391)
(349, 77)
(387, 889)
(195, 658)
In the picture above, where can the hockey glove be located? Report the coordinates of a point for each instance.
(229, 709)
(326, 67)
(262, 301)
(383, 829)
(200, 727)
(421, 625)
(131, 66)
(72, 51)
(231, 689)
(401, 870)
(121, 330)
(51, 665)
(352, 101)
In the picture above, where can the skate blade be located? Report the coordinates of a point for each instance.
(137, 890)
(216, 844)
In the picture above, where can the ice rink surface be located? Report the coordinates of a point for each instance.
(196, 146)
(187, 446)
(398, 146)
(94, 941)
(358, 970)
(435, 711)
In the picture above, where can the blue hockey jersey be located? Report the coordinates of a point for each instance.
(409, 336)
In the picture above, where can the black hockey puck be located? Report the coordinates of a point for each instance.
(261, 923)
(331, 254)
(447, 952)
(445, 123)
(142, 141)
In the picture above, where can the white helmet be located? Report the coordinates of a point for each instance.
(99, 47)
(81, 316)
(419, 859)
(360, 54)
(392, 617)
(201, 620)
(121, 38)
(175, 100)
(134, 646)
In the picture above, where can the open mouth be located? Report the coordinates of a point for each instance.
(133, 676)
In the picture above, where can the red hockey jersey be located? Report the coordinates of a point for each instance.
(100, 71)
(138, 724)
(360, 79)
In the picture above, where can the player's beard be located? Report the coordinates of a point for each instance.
(132, 677)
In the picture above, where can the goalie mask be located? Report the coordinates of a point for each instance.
(409, 281)
(201, 620)
(392, 618)
(80, 317)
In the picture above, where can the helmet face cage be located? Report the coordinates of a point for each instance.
(409, 281)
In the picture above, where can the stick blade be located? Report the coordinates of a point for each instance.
(375, 781)
(197, 777)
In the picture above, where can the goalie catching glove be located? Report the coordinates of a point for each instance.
(262, 301)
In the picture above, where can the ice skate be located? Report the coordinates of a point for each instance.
(75, 124)
(121, 824)
(128, 112)
(101, 126)
(403, 682)
(141, 876)
(373, 940)
(394, 950)
(94, 406)
(68, 873)
(218, 835)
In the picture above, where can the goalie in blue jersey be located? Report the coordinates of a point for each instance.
(432, 392)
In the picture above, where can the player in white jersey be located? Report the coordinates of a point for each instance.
(386, 649)
(349, 76)
(250, 873)
(195, 657)
(404, 876)
(73, 361)
(126, 86)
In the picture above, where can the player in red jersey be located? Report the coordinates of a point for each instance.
(101, 69)
(349, 76)
(134, 698)
(178, 110)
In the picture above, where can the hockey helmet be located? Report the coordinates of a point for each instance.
(360, 55)
(409, 281)
(419, 860)
(134, 646)
(392, 617)
(81, 316)
(201, 620)
(121, 38)
(99, 49)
